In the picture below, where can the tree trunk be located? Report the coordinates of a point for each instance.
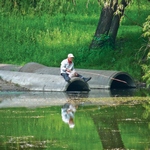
(116, 21)
(105, 21)
(108, 24)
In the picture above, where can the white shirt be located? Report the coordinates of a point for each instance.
(67, 113)
(66, 65)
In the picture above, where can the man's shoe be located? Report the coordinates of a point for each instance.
(68, 81)
(87, 79)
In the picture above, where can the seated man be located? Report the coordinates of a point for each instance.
(67, 69)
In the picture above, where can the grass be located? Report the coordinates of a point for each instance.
(39, 36)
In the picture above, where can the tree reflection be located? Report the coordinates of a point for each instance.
(108, 131)
(122, 126)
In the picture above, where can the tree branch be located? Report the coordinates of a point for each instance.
(133, 21)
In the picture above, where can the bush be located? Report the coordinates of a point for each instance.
(146, 67)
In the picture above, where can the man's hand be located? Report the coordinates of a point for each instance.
(76, 74)
(68, 70)
(69, 110)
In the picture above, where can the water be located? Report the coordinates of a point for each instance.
(103, 119)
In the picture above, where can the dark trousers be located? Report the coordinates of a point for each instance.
(67, 78)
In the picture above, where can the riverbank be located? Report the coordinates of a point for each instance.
(7, 86)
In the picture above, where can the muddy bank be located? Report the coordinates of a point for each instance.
(7, 86)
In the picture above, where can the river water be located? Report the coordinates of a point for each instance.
(102, 119)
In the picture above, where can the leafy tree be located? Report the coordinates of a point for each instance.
(146, 67)
(109, 21)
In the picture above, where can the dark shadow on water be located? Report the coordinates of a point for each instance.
(109, 93)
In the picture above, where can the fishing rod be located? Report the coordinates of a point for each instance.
(105, 76)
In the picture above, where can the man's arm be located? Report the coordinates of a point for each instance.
(63, 66)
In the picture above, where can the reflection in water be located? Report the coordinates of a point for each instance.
(67, 113)
(38, 99)
(34, 121)
(97, 127)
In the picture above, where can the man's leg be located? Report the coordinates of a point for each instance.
(66, 77)
(85, 79)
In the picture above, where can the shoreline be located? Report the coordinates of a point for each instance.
(7, 86)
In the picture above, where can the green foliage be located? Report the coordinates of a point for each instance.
(103, 40)
(50, 7)
(141, 11)
(146, 27)
(146, 67)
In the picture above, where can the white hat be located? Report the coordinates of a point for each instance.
(70, 55)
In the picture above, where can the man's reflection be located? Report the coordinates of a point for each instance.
(67, 113)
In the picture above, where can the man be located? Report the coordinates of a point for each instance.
(67, 69)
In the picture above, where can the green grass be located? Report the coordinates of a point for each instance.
(47, 37)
